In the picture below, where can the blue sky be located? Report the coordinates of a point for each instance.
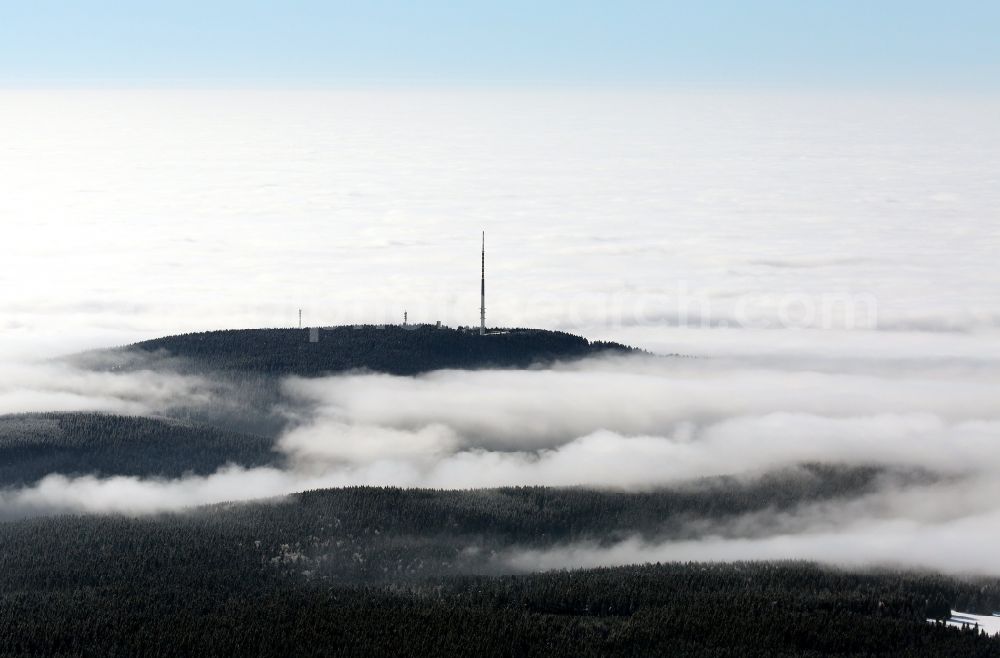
(817, 43)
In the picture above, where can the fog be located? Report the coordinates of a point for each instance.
(636, 423)
(962, 546)
(645, 216)
(635, 396)
(829, 261)
(38, 385)
(959, 541)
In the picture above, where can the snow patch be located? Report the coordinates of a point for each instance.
(988, 623)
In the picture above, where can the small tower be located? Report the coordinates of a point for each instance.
(406, 318)
(482, 291)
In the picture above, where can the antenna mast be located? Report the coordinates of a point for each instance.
(482, 292)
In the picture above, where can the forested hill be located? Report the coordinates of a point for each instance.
(383, 571)
(390, 349)
(35, 445)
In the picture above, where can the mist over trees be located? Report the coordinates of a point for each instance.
(390, 571)
(386, 570)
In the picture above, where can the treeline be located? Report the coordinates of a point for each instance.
(392, 349)
(742, 609)
(241, 371)
(368, 534)
(375, 534)
(35, 445)
(362, 535)
(389, 571)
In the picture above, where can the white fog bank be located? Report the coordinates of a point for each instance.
(640, 423)
(135, 214)
(831, 260)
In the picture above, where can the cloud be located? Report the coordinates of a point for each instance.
(758, 207)
(539, 409)
(963, 546)
(61, 385)
(334, 442)
(356, 204)
(949, 527)
(623, 423)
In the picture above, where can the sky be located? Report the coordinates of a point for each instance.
(914, 44)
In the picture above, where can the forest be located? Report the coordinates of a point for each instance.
(387, 571)
(35, 445)
(393, 349)
(421, 572)
(351, 534)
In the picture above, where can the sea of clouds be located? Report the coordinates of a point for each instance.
(134, 214)
(828, 260)
(623, 423)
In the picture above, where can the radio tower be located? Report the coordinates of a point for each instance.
(482, 292)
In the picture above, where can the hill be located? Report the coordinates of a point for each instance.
(373, 571)
(34, 445)
(389, 349)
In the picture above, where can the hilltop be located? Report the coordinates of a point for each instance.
(392, 349)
